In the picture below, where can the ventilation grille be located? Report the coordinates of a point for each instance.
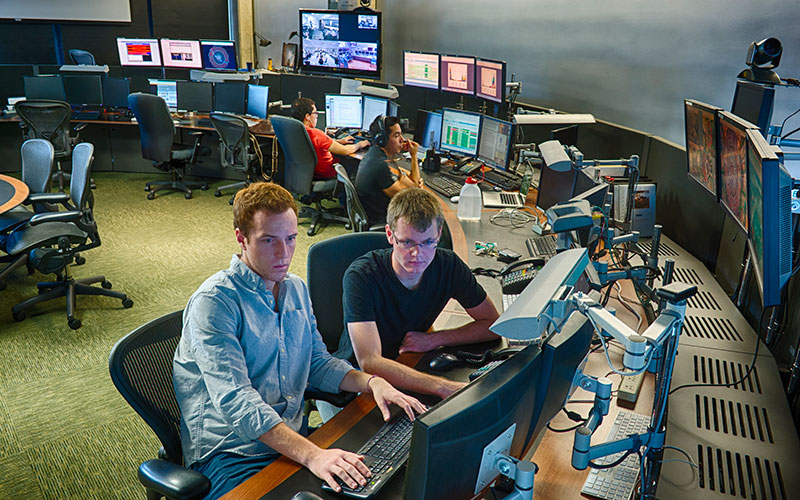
(664, 250)
(785, 229)
(685, 275)
(721, 371)
(733, 418)
(703, 299)
(704, 327)
(739, 475)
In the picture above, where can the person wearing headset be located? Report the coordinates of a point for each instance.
(379, 178)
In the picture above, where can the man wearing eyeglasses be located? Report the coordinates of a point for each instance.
(392, 297)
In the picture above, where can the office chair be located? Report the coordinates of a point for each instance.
(157, 131)
(355, 210)
(81, 57)
(236, 150)
(300, 160)
(53, 239)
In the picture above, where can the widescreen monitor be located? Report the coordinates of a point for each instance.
(421, 69)
(457, 74)
(115, 92)
(770, 213)
(732, 142)
(83, 90)
(44, 87)
(428, 129)
(372, 108)
(343, 111)
(258, 101)
(460, 131)
(394, 108)
(753, 102)
(167, 90)
(218, 55)
(701, 144)
(138, 52)
(490, 79)
(181, 53)
(230, 97)
(195, 96)
(497, 138)
(340, 42)
(554, 187)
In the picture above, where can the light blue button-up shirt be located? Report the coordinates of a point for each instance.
(241, 367)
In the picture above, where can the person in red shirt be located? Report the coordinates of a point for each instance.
(305, 110)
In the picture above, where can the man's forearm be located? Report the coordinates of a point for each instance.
(472, 333)
(406, 378)
(285, 441)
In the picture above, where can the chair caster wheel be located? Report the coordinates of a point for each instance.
(230, 202)
(127, 303)
(204, 187)
(106, 284)
(80, 260)
(74, 323)
(188, 196)
(147, 188)
(217, 193)
(311, 231)
(151, 195)
(19, 316)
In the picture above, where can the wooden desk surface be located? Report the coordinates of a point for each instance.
(12, 192)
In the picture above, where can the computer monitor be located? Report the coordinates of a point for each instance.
(373, 107)
(44, 87)
(394, 108)
(138, 52)
(497, 138)
(753, 102)
(340, 42)
(167, 90)
(732, 143)
(554, 187)
(567, 136)
(344, 111)
(230, 97)
(83, 90)
(770, 204)
(421, 69)
(115, 92)
(218, 55)
(457, 74)
(257, 100)
(460, 131)
(195, 96)
(701, 144)
(490, 80)
(181, 53)
(428, 129)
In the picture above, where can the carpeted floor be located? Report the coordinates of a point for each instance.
(64, 430)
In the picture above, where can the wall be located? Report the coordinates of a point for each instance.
(627, 62)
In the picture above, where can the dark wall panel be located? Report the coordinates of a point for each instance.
(26, 43)
(206, 19)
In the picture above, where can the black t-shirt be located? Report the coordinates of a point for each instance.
(372, 178)
(372, 292)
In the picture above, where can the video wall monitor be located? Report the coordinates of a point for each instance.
(340, 42)
(490, 80)
(460, 131)
(83, 90)
(167, 90)
(44, 87)
(732, 142)
(770, 213)
(421, 69)
(195, 96)
(258, 101)
(554, 187)
(181, 53)
(428, 131)
(115, 92)
(373, 107)
(457, 74)
(344, 111)
(230, 97)
(497, 138)
(218, 55)
(138, 52)
(753, 102)
(701, 144)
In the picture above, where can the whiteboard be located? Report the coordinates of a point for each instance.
(67, 10)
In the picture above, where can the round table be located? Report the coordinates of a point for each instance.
(12, 192)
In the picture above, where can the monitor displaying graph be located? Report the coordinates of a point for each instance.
(490, 80)
(421, 69)
(457, 74)
(460, 131)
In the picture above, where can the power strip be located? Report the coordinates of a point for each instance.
(629, 387)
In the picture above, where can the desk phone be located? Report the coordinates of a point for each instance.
(516, 276)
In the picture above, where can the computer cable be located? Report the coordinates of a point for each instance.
(517, 218)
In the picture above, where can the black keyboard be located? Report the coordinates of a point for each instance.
(541, 246)
(444, 185)
(503, 180)
(485, 368)
(384, 454)
(83, 114)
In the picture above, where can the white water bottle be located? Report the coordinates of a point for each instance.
(470, 201)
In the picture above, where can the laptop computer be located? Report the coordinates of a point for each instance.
(503, 199)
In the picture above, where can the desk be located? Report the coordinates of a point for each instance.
(12, 192)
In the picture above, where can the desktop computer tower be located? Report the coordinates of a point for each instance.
(643, 215)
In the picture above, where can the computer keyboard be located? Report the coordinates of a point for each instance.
(541, 246)
(485, 368)
(444, 185)
(84, 114)
(503, 180)
(508, 299)
(617, 483)
(384, 454)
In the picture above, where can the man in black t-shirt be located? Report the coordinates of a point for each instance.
(392, 297)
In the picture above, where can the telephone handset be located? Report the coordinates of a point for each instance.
(516, 276)
(466, 166)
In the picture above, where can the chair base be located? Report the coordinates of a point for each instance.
(69, 288)
(236, 185)
(16, 263)
(175, 185)
(318, 214)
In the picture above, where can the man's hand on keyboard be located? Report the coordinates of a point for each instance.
(385, 394)
(347, 466)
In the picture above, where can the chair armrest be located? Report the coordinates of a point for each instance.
(339, 400)
(173, 481)
(46, 198)
(71, 216)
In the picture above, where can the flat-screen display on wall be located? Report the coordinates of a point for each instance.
(66, 10)
(340, 42)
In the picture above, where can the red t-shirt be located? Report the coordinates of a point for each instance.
(322, 141)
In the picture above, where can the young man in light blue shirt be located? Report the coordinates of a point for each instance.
(248, 350)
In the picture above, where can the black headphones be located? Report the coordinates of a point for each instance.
(380, 137)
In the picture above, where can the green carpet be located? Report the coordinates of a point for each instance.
(65, 432)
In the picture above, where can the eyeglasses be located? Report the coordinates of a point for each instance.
(409, 244)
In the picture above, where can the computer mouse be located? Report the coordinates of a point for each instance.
(444, 361)
(454, 199)
(306, 495)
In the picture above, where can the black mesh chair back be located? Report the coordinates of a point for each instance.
(156, 129)
(79, 192)
(234, 142)
(79, 56)
(299, 155)
(37, 156)
(141, 369)
(326, 263)
(48, 120)
(355, 210)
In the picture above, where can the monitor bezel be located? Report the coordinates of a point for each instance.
(441, 75)
(502, 80)
(328, 115)
(215, 42)
(441, 132)
(438, 86)
(713, 110)
(508, 149)
(743, 125)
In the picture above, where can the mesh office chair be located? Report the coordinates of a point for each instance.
(141, 369)
(236, 151)
(157, 132)
(81, 57)
(355, 210)
(300, 160)
(53, 239)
